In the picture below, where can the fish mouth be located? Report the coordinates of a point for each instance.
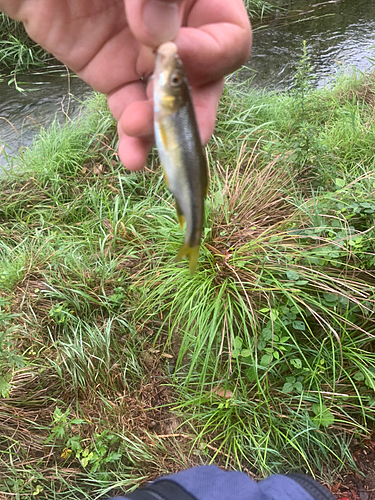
(167, 49)
(166, 52)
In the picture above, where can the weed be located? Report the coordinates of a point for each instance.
(257, 9)
(18, 52)
(302, 81)
(101, 452)
(9, 359)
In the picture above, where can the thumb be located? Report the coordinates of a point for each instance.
(153, 22)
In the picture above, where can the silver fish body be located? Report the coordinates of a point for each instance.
(179, 146)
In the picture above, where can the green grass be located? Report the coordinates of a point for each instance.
(257, 9)
(116, 366)
(18, 53)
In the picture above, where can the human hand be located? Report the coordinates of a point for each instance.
(110, 44)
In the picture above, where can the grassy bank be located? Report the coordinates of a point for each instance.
(117, 366)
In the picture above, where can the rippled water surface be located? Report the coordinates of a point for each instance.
(338, 33)
(22, 114)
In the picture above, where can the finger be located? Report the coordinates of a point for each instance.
(110, 61)
(153, 22)
(206, 57)
(12, 7)
(137, 119)
(133, 151)
(132, 108)
(216, 39)
(121, 98)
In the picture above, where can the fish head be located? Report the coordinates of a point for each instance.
(171, 88)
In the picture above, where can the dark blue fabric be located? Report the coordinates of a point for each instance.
(211, 483)
(283, 488)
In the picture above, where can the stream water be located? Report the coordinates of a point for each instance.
(47, 96)
(338, 33)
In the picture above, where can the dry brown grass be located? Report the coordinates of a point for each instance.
(362, 93)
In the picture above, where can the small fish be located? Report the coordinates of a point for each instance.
(180, 148)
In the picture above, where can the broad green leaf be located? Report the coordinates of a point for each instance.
(334, 255)
(77, 421)
(298, 386)
(274, 314)
(267, 333)
(298, 325)
(296, 362)
(266, 359)
(287, 387)
(245, 353)
(331, 297)
(324, 417)
(358, 376)
(237, 342)
(86, 459)
(4, 388)
(113, 456)
(292, 275)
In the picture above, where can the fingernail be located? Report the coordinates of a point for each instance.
(162, 20)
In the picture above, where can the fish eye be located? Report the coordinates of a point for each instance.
(176, 79)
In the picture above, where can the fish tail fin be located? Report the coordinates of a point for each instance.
(190, 252)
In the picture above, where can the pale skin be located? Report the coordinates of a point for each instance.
(110, 44)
